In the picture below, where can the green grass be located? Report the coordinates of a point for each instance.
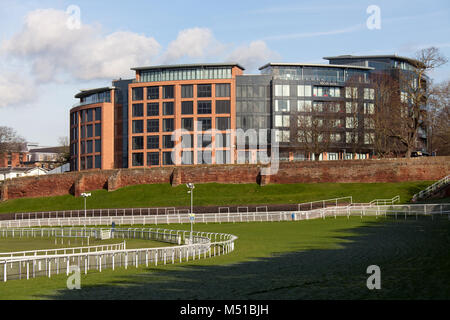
(164, 195)
(315, 259)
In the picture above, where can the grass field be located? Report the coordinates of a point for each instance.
(315, 259)
(164, 195)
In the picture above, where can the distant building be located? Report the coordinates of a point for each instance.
(13, 159)
(12, 173)
(48, 158)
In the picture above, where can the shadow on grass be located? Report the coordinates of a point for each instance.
(413, 257)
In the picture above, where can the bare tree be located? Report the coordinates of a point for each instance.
(411, 113)
(10, 141)
(64, 154)
(438, 118)
(313, 134)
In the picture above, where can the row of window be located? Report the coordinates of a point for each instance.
(186, 74)
(308, 121)
(88, 115)
(168, 125)
(284, 136)
(88, 131)
(90, 162)
(187, 141)
(187, 158)
(321, 106)
(187, 91)
(322, 91)
(187, 107)
(88, 146)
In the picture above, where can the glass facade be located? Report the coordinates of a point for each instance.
(185, 74)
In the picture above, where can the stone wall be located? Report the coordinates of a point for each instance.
(365, 171)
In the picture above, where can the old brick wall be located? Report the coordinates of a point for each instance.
(365, 171)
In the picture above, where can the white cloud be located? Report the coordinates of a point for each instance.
(254, 55)
(192, 43)
(16, 90)
(83, 53)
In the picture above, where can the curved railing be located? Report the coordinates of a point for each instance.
(29, 264)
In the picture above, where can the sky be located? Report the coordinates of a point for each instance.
(50, 49)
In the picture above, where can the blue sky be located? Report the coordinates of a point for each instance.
(37, 50)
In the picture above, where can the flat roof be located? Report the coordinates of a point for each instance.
(385, 56)
(319, 65)
(193, 65)
(87, 92)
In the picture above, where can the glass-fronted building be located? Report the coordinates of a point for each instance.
(323, 111)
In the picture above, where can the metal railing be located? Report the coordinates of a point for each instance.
(324, 203)
(435, 186)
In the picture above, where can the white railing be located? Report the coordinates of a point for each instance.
(435, 186)
(379, 202)
(199, 245)
(324, 203)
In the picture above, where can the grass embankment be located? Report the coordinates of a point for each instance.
(164, 195)
(315, 259)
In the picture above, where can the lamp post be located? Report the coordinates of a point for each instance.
(85, 195)
(191, 188)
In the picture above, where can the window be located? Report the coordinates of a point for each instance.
(153, 125)
(167, 142)
(152, 109)
(336, 123)
(83, 163)
(89, 162)
(138, 110)
(138, 126)
(98, 114)
(168, 108)
(168, 92)
(283, 136)
(138, 159)
(137, 94)
(204, 141)
(83, 132)
(369, 123)
(351, 107)
(304, 91)
(369, 93)
(369, 138)
(187, 157)
(204, 90)
(282, 90)
(223, 90)
(282, 121)
(335, 137)
(90, 115)
(187, 91)
(168, 125)
(153, 142)
(351, 137)
(317, 106)
(152, 93)
(98, 145)
(351, 93)
(282, 105)
(322, 91)
(304, 106)
(204, 107)
(187, 141)
(204, 157)
(98, 162)
(89, 131)
(351, 123)
(223, 140)
(167, 158)
(203, 124)
(223, 123)
(98, 129)
(138, 143)
(187, 124)
(83, 147)
(369, 108)
(89, 146)
(334, 107)
(187, 107)
(223, 106)
(153, 159)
